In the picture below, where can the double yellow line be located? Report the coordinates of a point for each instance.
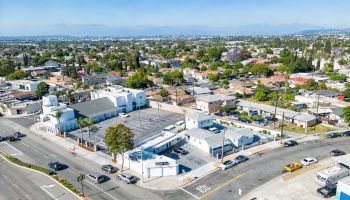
(219, 187)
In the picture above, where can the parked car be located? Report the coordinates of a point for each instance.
(180, 151)
(308, 161)
(346, 133)
(128, 178)
(290, 143)
(2, 138)
(17, 135)
(123, 115)
(333, 135)
(219, 114)
(12, 139)
(259, 121)
(55, 165)
(292, 167)
(109, 168)
(96, 177)
(234, 117)
(244, 120)
(241, 158)
(228, 164)
(337, 152)
(214, 129)
(327, 192)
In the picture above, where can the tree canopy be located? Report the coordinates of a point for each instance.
(138, 80)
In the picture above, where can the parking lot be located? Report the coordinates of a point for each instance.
(195, 157)
(145, 124)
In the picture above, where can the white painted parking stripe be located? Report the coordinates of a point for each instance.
(189, 193)
(51, 195)
(18, 151)
(101, 190)
(25, 144)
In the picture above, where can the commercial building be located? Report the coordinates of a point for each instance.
(57, 117)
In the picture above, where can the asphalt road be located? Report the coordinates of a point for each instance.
(40, 151)
(260, 169)
(218, 185)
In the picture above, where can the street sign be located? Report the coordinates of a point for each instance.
(81, 178)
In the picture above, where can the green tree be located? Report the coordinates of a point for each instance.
(346, 113)
(138, 80)
(58, 115)
(42, 89)
(163, 92)
(18, 74)
(262, 93)
(261, 69)
(119, 139)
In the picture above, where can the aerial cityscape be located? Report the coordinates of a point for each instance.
(174, 100)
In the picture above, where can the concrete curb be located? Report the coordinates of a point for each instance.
(77, 196)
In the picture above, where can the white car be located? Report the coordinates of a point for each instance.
(308, 161)
(228, 164)
(123, 115)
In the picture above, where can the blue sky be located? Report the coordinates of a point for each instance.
(23, 17)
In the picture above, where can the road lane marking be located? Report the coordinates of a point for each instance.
(189, 193)
(25, 144)
(222, 185)
(49, 186)
(51, 195)
(28, 197)
(101, 190)
(19, 153)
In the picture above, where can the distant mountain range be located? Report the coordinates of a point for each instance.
(100, 31)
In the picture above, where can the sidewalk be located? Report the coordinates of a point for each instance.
(157, 183)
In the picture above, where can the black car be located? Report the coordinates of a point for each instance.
(109, 169)
(219, 114)
(244, 120)
(12, 139)
(17, 135)
(2, 138)
(56, 165)
(327, 192)
(180, 151)
(290, 143)
(337, 152)
(346, 133)
(333, 135)
(241, 158)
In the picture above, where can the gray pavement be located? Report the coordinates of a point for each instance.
(19, 183)
(144, 124)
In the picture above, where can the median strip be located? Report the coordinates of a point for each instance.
(43, 171)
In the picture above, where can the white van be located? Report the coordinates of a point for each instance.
(331, 175)
(171, 128)
(181, 125)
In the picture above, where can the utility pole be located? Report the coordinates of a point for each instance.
(193, 91)
(282, 127)
(318, 103)
(158, 111)
(222, 147)
(274, 116)
(176, 94)
(140, 115)
(142, 164)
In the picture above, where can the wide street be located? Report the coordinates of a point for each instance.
(218, 185)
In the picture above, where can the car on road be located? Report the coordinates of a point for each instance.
(123, 115)
(333, 135)
(12, 139)
(96, 177)
(292, 167)
(346, 133)
(180, 150)
(308, 161)
(327, 192)
(18, 135)
(228, 164)
(55, 165)
(337, 152)
(128, 178)
(241, 158)
(109, 169)
(290, 143)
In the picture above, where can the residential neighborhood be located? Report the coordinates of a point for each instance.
(209, 110)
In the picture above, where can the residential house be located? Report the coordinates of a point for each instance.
(29, 85)
(208, 142)
(240, 136)
(102, 79)
(59, 81)
(212, 103)
(198, 120)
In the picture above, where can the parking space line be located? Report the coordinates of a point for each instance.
(221, 186)
(25, 144)
(51, 195)
(19, 153)
(189, 193)
(101, 190)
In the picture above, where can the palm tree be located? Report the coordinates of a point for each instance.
(58, 115)
(81, 123)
